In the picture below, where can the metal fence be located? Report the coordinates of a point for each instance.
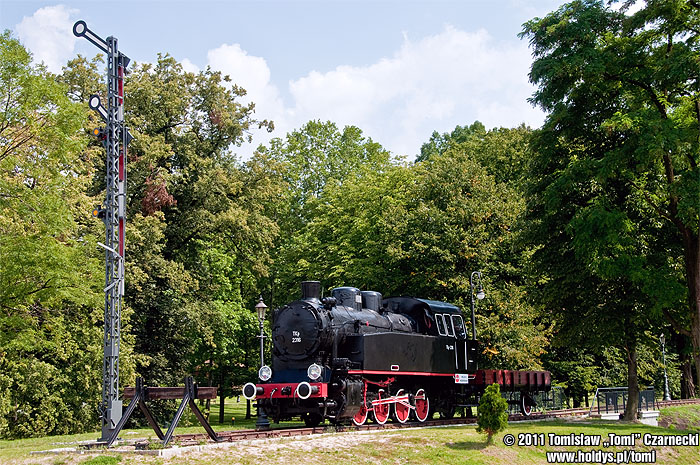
(614, 400)
(554, 399)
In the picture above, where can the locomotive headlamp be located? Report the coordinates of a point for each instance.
(314, 371)
(265, 373)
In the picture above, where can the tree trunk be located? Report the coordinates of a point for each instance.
(692, 271)
(632, 383)
(682, 345)
(687, 385)
(222, 394)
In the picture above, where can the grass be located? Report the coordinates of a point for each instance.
(447, 445)
(103, 460)
(11, 451)
(681, 417)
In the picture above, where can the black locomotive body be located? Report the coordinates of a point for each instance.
(355, 355)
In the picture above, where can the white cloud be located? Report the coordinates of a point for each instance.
(189, 67)
(48, 33)
(435, 83)
(253, 74)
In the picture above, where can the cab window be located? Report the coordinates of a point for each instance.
(440, 319)
(448, 326)
(458, 323)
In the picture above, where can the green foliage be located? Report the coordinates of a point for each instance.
(155, 445)
(439, 143)
(500, 151)
(50, 344)
(199, 234)
(613, 196)
(492, 412)
(197, 238)
(312, 165)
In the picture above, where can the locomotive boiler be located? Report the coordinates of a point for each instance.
(354, 356)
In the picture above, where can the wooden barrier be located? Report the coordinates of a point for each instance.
(140, 394)
(170, 393)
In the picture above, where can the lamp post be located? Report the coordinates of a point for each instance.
(260, 308)
(262, 422)
(667, 394)
(480, 295)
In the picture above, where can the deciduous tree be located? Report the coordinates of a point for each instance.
(50, 344)
(615, 177)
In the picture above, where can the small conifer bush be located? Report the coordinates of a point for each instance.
(493, 412)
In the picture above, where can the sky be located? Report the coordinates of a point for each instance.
(398, 70)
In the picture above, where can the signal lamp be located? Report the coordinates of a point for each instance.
(99, 133)
(94, 101)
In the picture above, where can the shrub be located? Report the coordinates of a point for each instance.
(493, 412)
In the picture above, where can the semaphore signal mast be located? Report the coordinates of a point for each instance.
(115, 138)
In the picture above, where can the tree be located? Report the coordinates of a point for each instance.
(618, 156)
(199, 233)
(468, 218)
(492, 412)
(439, 143)
(50, 278)
(307, 164)
(503, 152)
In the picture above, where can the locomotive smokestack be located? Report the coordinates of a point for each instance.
(310, 290)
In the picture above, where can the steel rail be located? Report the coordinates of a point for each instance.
(243, 435)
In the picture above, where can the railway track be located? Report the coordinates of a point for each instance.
(242, 435)
(669, 403)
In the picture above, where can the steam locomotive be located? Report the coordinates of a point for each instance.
(355, 355)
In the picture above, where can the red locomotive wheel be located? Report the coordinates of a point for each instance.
(401, 408)
(381, 411)
(422, 405)
(360, 417)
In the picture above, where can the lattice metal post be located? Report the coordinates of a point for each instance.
(115, 138)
